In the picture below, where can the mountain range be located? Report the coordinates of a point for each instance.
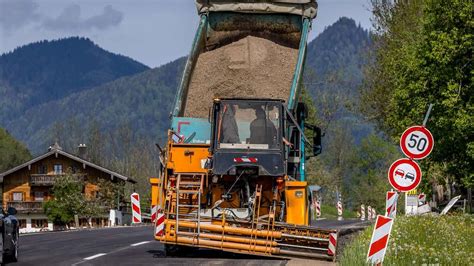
(50, 82)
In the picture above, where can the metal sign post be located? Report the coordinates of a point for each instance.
(427, 115)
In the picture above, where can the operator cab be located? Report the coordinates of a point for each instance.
(248, 133)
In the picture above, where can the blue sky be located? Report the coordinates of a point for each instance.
(153, 32)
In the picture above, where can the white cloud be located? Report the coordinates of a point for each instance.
(70, 19)
(15, 14)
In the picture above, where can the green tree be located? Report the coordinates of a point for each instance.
(12, 151)
(69, 200)
(424, 55)
(368, 165)
(109, 192)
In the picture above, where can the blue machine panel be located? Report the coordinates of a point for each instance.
(188, 126)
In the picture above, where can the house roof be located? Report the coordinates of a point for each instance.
(57, 150)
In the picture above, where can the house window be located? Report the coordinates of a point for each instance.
(58, 169)
(17, 196)
(42, 169)
(74, 169)
(39, 196)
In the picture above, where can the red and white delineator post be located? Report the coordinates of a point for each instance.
(369, 213)
(362, 212)
(339, 210)
(391, 204)
(160, 222)
(318, 208)
(153, 210)
(379, 240)
(374, 213)
(136, 211)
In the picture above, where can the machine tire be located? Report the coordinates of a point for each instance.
(171, 250)
(178, 250)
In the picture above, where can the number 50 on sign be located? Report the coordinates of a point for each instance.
(417, 142)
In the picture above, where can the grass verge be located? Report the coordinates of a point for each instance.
(330, 212)
(420, 240)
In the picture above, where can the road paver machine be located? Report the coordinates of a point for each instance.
(235, 180)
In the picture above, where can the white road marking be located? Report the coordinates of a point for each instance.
(139, 243)
(95, 256)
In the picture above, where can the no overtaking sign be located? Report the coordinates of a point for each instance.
(404, 175)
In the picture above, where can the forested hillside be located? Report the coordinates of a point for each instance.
(142, 102)
(341, 48)
(12, 152)
(49, 70)
(334, 73)
(354, 156)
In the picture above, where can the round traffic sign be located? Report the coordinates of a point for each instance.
(404, 175)
(417, 142)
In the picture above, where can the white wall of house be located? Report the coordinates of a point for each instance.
(30, 228)
(115, 218)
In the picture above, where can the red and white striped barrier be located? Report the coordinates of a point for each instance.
(379, 241)
(391, 204)
(369, 213)
(332, 244)
(362, 212)
(136, 211)
(160, 223)
(374, 213)
(154, 209)
(318, 208)
(422, 198)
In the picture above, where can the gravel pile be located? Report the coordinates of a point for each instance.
(251, 67)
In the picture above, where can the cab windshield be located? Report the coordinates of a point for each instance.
(250, 125)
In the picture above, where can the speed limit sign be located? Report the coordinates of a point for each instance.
(417, 142)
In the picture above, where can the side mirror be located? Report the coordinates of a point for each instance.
(317, 148)
(11, 211)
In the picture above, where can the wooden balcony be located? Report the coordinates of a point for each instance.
(27, 206)
(48, 180)
(42, 180)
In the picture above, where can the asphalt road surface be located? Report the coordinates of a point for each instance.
(130, 246)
